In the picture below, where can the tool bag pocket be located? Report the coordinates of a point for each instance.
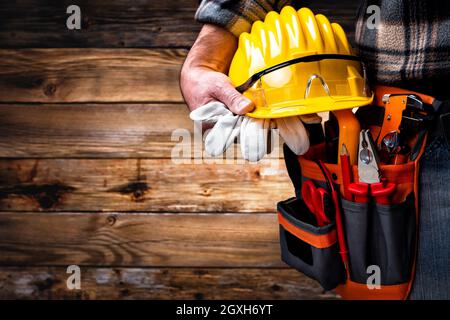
(356, 218)
(393, 239)
(381, 236)
(308, 248)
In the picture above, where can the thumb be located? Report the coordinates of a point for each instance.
(236, 102)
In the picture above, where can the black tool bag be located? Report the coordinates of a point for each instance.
(376, 235)
(305, 246)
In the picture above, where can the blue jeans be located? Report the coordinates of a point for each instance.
(433, 265)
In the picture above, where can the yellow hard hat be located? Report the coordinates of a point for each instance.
(296, 63)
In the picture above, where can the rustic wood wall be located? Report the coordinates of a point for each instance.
(85, 172)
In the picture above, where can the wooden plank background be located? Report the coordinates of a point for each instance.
(86, 176)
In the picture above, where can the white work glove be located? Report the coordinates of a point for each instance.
(254, 133)
(227, 126)
(253, 138)
(294, 134)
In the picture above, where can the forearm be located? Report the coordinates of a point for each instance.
(203, 77)
(213, 49)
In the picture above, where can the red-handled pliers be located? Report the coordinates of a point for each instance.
(370, 181)
(380, 191)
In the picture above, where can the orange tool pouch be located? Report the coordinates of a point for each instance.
(377, 235)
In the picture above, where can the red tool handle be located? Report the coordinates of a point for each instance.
(321, 212)
(314, 199)
(360, 190)
(382, 191)
(309, 195)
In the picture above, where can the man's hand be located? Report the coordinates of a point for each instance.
(203, 77)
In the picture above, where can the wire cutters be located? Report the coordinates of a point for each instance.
(370, 181)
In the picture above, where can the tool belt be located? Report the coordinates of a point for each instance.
(363, 241)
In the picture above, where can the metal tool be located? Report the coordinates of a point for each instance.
(406, 114)
(370, 181)
(395, 105)
(368, 159)
(318, 202)
(394, 148)
(391, 141)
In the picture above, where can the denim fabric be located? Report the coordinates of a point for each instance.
(433, 265)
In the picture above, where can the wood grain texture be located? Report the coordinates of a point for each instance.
(97, 187)
(121, 23)
(150, 185)
(90, 75)
(165, 283)
(92, 130)
(102, 131)
(139, 240)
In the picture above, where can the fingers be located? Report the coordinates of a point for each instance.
(222, 135)
(253, 138)
(226, 128)
(210, 112)
(201, 85)
(236, 102)
(293, 132)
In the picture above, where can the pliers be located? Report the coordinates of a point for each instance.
(370, 181)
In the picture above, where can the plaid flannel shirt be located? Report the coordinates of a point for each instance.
(409, 48)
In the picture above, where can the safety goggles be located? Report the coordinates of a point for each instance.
(257, 77)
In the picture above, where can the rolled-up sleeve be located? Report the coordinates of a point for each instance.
(236, 16)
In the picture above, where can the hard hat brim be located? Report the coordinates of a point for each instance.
(314, 105)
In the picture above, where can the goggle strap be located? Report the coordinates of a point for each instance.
(312, 58)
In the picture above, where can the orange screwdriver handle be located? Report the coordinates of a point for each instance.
(349, 129)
